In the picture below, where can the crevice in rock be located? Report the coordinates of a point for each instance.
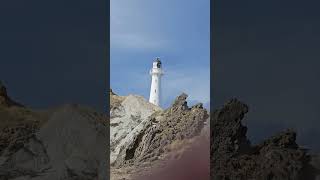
(131, 151)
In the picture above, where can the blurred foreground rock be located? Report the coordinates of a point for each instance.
(234, 158)
(68, 143)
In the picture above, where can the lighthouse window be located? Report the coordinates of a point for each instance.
(155, 90)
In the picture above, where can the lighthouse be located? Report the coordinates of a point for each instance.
(155, 90)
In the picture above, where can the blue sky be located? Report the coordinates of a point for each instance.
(177, 31)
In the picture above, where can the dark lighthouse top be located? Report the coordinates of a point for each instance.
(158, 63)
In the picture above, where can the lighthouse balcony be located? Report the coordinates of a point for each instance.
(156, 71)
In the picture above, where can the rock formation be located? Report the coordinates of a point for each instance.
(68, 143)
(128, 116)
(233, 157)
(154, 133)
(161, 129)
(5, 100)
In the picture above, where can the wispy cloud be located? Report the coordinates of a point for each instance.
(133, 28)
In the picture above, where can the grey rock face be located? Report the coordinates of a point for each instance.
(232, 156)
(127, 120)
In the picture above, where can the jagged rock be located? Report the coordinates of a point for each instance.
(228, 133)
(127, 120)
(162, 129)
(115, 100)
(232, 156)
(5, 100)
(111, 92)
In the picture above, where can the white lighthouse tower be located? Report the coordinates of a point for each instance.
(156, 73)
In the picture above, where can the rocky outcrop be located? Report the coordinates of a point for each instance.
(129, 116)
(115, 100)
(160, 130)
(69, 142)
(17, 123)
(232, 156)
(5, 100)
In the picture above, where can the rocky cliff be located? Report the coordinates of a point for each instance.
(68, 142)
(233, 157)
